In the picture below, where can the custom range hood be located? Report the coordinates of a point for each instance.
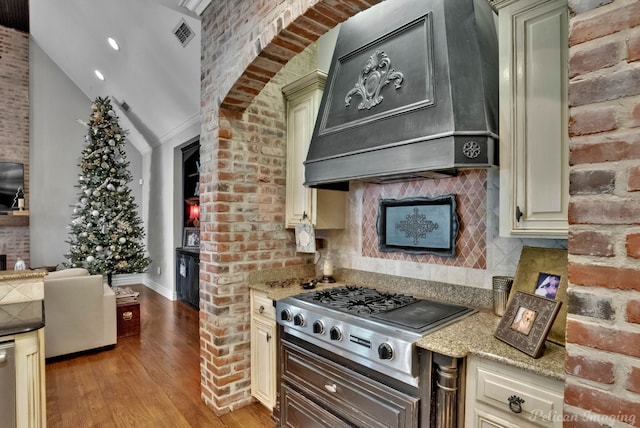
(412, 92)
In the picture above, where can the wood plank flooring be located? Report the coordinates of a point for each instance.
(150, 380)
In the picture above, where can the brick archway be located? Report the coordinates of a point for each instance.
(243, 153)
(286, 43)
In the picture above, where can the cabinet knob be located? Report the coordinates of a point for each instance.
(3, 357)
(268, 337)
(331, 388)
(261, 309)
(518, 213)
(515, 404)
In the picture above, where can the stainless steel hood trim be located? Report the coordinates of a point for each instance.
(423, 159)
(482, 133)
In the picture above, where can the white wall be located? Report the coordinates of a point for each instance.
(165, 206)
(56, 140)
(326, 45)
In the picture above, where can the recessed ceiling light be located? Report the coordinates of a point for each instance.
(98, 74)
(113, 43)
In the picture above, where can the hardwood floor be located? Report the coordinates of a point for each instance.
(150, 380)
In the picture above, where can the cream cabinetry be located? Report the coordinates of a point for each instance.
(534, 150)
(325, 209)
(500, 396)
(263, 349)
(30, 393)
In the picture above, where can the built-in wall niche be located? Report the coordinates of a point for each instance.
(191, 185)
(12, 194)
(11, 186)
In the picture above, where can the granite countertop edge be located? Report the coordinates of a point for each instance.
(24, 317)
(473, 335)
(279, 293)
(22, 274)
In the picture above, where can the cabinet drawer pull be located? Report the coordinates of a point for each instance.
(331, 388)
(127, 315)
(519, 214)
(3, 357)
(515, 404)
(261, 309)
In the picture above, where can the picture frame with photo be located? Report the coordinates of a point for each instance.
(527, 322)
(191, 237)
(539, 268)
(547, 285)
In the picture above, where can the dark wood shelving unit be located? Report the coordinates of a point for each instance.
(188, 259)
(190, 180)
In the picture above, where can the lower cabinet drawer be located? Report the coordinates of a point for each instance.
(298, 411)
(518, 394)
(358, 399)
(262, 305)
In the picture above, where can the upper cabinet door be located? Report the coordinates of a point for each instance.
(534, 148)
(325, 209)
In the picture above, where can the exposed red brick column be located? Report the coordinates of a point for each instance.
(243, 152)
(603, 340)
(14, 128)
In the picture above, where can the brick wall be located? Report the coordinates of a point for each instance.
(243, 154)
(603, 324)
(14, 128)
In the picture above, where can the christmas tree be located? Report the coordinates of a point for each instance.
(106, 235)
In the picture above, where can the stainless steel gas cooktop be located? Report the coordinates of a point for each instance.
(374, 328)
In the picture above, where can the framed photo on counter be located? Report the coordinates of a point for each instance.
(543, 271)
(527, 321)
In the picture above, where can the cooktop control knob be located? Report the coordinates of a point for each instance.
(318, 327)
(286, 315)
(298, 319)
(335, 333)
(385, 351)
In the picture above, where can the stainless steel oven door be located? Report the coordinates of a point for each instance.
(314, 388)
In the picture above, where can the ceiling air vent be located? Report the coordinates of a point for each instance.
(183, 32)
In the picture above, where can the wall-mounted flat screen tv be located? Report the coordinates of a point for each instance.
(11, 179)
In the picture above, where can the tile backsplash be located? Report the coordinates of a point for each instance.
(481, 252)
(470, 189)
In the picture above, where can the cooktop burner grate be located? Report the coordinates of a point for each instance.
(359, 300)
(401, 310)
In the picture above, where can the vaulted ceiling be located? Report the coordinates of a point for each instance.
(153, 76)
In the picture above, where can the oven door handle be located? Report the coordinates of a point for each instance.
(331, 388)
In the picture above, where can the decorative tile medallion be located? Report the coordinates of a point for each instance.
(470, 188)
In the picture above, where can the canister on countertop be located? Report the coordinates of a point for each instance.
(501, 288)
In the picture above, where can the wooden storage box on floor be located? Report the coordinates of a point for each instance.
(128, 319)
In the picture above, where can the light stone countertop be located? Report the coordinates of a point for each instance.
(278, 293)
(473, 335)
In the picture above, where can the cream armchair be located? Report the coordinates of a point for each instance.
(80, 312)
